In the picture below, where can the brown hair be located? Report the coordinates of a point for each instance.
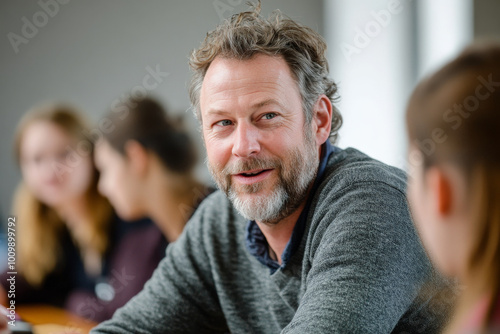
(247, 34)
(146, 121)
(454, 116)
(40, 227)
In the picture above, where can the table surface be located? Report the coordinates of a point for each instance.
(49, 319)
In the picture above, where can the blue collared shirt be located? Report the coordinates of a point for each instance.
(256, 241)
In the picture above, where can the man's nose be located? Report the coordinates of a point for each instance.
(246, 141)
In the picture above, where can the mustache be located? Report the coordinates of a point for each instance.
(241, 166)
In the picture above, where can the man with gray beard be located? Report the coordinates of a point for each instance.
(304, 237)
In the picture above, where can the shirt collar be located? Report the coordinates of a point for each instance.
(256, 242)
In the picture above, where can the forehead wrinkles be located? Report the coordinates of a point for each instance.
(246, 93)
(235, 77)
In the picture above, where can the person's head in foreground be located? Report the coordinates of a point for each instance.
(59, 187)
(146, 166)
(453, 121)
(304, 237)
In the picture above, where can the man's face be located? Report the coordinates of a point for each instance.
(259, 150)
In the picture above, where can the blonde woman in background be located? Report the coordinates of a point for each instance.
(453, 121)
(72, 250)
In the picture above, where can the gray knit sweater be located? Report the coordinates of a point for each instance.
(358, 269)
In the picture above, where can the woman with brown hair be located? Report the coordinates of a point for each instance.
(453, 121)
(70, 245)
(147, 167)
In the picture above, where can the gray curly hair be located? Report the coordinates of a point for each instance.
(247, 34)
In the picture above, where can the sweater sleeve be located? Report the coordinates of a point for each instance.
(180, 296)
(366, 263)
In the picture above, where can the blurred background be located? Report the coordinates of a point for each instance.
(95, 54)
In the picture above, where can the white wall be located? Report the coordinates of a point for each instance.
(378, 51)
(441, 37)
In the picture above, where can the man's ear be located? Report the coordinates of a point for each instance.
(440, 184)
(322, 119)
(137, 156)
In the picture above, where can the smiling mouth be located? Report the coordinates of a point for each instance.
(252, 176)
(253, 173)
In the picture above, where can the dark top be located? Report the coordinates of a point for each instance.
(135, 250)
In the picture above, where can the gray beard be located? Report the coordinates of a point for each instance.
(290, 192)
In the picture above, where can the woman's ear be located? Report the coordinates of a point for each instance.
(137, 157)
(440, 183)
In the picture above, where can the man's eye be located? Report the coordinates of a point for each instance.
(270, 115)
(224, 122)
